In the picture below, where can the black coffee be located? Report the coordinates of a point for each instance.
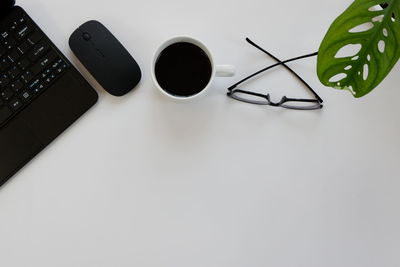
(183, 69)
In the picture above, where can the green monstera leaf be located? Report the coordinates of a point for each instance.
(361, 46)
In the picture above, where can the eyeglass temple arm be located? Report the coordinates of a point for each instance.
(269, 67)
(287, 67)
(278, 64)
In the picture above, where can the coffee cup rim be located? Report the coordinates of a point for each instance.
(177, 39)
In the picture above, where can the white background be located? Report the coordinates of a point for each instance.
(142, 181)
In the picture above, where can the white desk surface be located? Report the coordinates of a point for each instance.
(142, 181)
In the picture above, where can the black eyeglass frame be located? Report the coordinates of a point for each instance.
(283, 103)
(234, 93)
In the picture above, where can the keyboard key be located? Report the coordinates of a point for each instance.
(17, 85)
(59, 70)
(49, 78)
(57, 63)
(38, 88)
(14, 72)
(7, 94)
(24, 47)
(5, 113)
(4, 64)
(2, 51)
(27, 76)
(45, 73)
(9, 43)
(14, 56)
(37, 68)
(25, 95)
(4, 80)
(17, 22)
(13, 26)
(64, 66)
(43, 62)
(24, 63)
(61, 67)
(34, 38)
(4, 34)
(23, 31)
(16, 103)
(21, 20)
(50, 57)
(38, 50)
(34, 83)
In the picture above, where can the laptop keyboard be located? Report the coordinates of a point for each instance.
(28, 66)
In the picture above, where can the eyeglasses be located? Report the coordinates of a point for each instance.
(286, 102)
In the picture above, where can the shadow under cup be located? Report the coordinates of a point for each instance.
(183, 69)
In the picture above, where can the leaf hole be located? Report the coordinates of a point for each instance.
(385, 32)
(369, 57)
(348, 67)
(355, 58)
(381, 46)
(362, 27)
(393, 18)
(365, 72)
(337, 78)
(378, 18)
(348, 51)
(377, 7)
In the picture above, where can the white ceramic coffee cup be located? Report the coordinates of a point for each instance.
(217, 70)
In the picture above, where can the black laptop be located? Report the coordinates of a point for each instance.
(41, 93)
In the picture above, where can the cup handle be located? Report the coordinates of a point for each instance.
(225, 71)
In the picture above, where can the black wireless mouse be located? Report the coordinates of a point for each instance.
(105, 58)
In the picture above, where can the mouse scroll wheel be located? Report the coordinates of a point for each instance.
(86, 36)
